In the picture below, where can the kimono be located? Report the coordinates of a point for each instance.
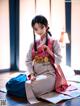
(46, 69)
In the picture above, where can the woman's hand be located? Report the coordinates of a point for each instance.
(32, 77)
(45, 47)
(48, 49)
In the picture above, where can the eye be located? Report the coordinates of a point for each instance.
(42, 27)
(35, 29)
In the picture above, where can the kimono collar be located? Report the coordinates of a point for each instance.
(43, 37)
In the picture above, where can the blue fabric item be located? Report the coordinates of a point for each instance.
(16, 86)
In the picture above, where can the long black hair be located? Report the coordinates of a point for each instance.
(43, 21)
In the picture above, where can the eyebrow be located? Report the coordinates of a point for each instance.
(40, 26)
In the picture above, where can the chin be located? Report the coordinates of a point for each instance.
(42, 34)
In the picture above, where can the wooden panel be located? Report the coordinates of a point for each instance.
(4, 35)
(75, 35)
(27, 12)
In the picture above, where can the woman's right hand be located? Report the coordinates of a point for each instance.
(33, 77)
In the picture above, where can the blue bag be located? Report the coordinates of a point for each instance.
(16, 86)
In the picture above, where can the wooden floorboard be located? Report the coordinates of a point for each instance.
(13, 101)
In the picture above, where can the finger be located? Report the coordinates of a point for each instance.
(33, 79)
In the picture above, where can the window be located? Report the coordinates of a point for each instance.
(4, 35)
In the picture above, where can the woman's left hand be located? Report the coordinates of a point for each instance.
(45, 47)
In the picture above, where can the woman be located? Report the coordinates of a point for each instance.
(43, 57)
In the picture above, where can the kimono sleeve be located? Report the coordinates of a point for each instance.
(29, 61)
(57, 52)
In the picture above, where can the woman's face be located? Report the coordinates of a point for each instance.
(39, 29)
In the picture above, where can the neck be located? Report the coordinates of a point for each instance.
(43, 36)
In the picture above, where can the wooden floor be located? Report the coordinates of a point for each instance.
(13, 101)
